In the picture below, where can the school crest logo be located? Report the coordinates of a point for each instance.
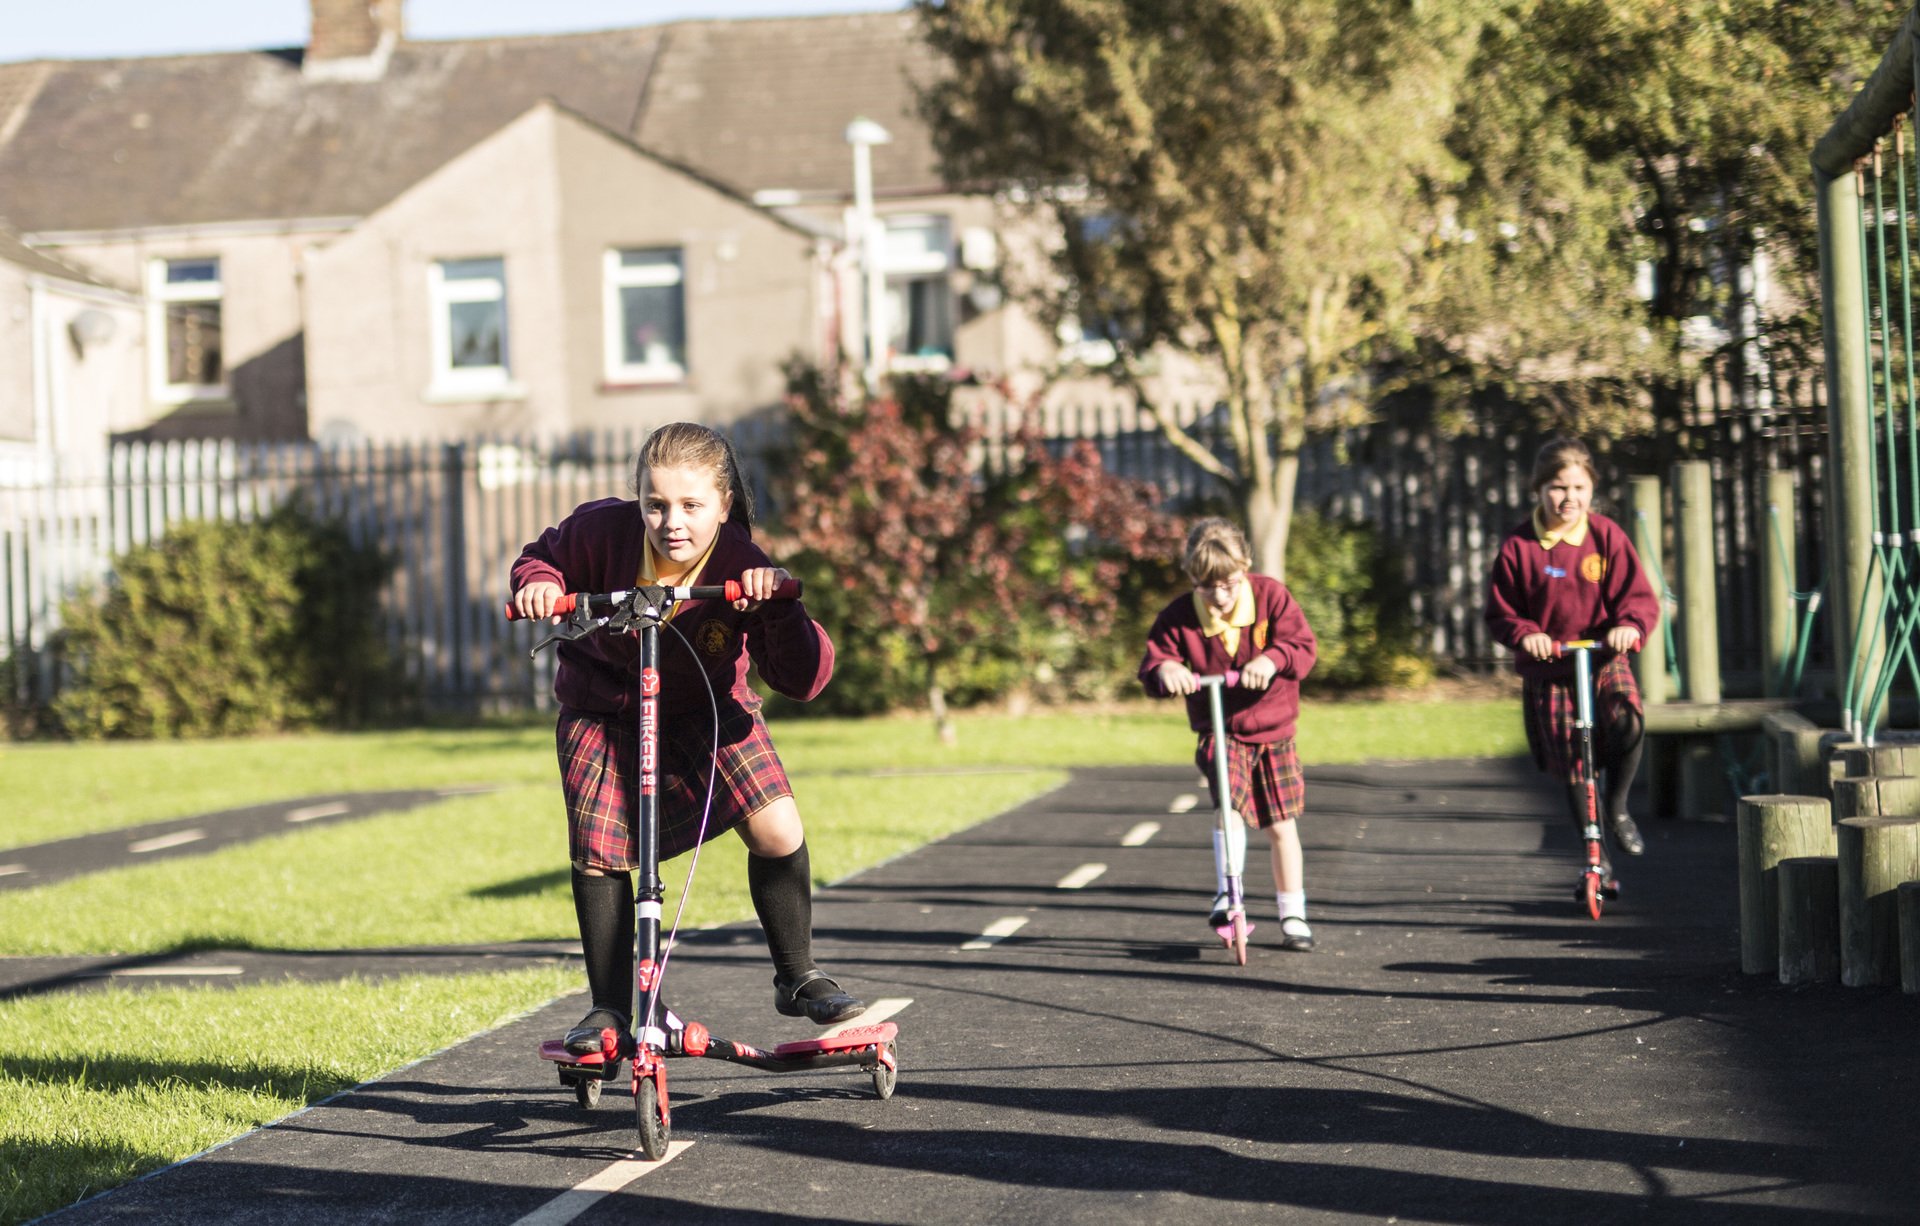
(1593, 568)
(713, 636)
(1260, 635)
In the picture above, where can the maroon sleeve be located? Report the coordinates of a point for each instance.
(562, 554)
(1508, 618)
(1291, 643)
(1163, 644)
(791, 651)
(1629, 597)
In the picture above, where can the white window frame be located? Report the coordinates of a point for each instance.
(162, 292)
(442, 294)
(616, 276)
(901, 271)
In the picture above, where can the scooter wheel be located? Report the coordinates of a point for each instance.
(1590, 888)
(885, 1075)
(587, 1092)
(650, 1120)
(1240, 937)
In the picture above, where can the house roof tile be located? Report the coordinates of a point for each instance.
(186, 140)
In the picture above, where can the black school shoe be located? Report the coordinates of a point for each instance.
(1296, 935)
(1626, 834)
(824, 1007)
(584, 1039)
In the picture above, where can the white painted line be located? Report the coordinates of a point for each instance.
(316, 812)
(588, 1193)
(162, 842)
(1081, 876)
(174, 972)
(13, 870)
(998, 931)
(1139, 834)
(877, 1012)
(1185, 802)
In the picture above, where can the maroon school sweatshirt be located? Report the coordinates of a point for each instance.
(1568, 592)
(598, 549)
(1279, 630)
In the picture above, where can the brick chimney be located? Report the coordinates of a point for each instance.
(354, 29)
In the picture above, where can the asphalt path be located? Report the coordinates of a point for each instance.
(1464, 1046)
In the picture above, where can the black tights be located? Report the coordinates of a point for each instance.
(1626, 739)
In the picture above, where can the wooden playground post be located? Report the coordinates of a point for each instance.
(1650, 665)
(1702, 786)
(1809, 919)
(1878, 845)
(1772, 829)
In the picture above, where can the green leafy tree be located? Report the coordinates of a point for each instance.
(1673, 134)
(1251, 182)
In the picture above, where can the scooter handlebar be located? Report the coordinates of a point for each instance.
(1229, 679)
(729, 591)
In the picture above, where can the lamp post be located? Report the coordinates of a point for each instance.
(863, 134)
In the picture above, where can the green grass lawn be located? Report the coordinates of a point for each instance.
(188, 1068)
(101, 1087)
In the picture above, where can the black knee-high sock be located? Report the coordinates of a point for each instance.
(604, 907)
(782, 890)
(1626, 740)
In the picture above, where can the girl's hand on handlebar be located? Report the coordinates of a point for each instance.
(1539, 646)
(537, 599)
(1258, 673)
(1623, 639)
(1177, 678)
(759, 584)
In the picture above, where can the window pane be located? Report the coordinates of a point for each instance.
(923, 318)
(474, 334)
(473, 270)
(193, 343)
(186, 272)
(650, 259)
(653, 326)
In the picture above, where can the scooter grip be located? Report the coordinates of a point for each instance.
(790, 590)
(562, 606)
(1233, 677)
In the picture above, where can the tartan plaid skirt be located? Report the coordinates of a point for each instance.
(600, 775)
(1266, 783)
(1551, 713)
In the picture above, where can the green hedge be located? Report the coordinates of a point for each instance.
(223, 629)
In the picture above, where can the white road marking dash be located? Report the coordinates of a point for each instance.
(173, 972)
(1185, 802)
(998, 931)
(590, 1191)
(1081, 876)
(161, 842)
(13, 870)
(1139, 834)
(316, 812)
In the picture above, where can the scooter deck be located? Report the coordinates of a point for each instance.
(846, 1040)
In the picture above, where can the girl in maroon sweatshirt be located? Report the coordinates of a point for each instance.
(1566, 574)
(692, 524)
(1237, 620)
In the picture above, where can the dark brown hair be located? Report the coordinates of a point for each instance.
(686, 444)
(1561, 453)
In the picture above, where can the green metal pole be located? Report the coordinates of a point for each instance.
(1778, 566)
(1850, 451)
(1699, 604)
(1650, 666)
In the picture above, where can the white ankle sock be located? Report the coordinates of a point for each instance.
(1293, 904)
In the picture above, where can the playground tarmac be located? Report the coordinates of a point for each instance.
(1464, 1046)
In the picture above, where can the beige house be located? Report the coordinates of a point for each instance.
(377, 238)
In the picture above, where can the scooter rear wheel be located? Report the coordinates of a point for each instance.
(885, 1075)
(650, 1120)
(587, 1092)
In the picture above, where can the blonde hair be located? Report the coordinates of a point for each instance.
(685, 444)
(1560, 453)
(1215, 549)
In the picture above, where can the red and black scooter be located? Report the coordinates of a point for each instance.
(641, 612)
(1595, 886)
